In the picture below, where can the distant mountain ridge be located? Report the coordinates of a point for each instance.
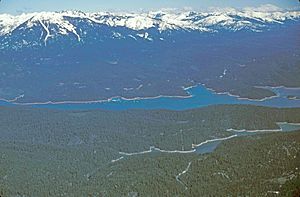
(77, 56)
(75, 23)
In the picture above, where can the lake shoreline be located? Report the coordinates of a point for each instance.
(197, 96)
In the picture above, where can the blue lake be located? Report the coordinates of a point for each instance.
(211, 146)
(201, 97)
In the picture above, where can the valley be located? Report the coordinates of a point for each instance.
(172, 102)
(100, 66)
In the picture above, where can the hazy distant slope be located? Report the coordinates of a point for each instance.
(76, 56)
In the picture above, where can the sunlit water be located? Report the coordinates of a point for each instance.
(201, 97)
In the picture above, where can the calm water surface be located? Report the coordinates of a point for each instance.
(201, 97)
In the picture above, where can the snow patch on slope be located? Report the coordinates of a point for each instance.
(9, 23)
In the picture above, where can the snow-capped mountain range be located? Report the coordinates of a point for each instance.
(77, 56)
(66, 22)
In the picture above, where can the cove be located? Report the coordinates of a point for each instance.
(210, 145)
(200, 97)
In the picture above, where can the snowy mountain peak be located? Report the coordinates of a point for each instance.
(64, 23)
(163, 19)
